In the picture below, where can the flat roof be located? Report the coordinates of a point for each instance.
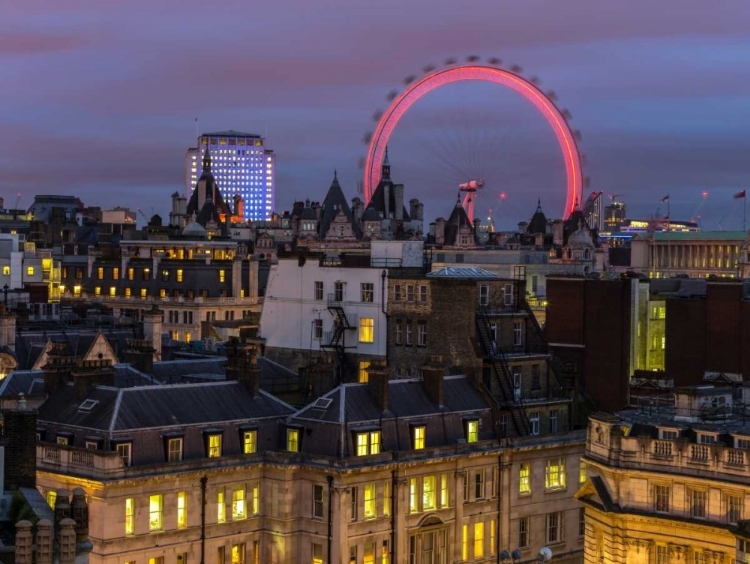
(231, 133)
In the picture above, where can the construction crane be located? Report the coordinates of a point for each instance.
(140, 211)
(613, 197)
(18, 199)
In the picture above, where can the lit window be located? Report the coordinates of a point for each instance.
(478, 540)
(493, 536)
(465, 542)
(6, 271)
(181, 510)
(524, 478)
(582, 469)
(144, 293)
(214, 446)
(418, 437)
(386, 497)
(100, 273)
(162, 293)
(115, 273)
(179, 275)
(51, 498)
(222, 276)
(249, 442)
(221, 507)
(255, 500)
(155, 512)
(292, 440)
(239, 509)
(98, 291)
(366, 330)
(370, 502)
(554, 474)
(364, 376)
(129, 516)
(444, 499)
(113, 291)
(368, 443)
(175, 449)
(472, 431)
(413, 499)
(131, 273)
(428, 493)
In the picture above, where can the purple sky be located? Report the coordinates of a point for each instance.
(99, 98)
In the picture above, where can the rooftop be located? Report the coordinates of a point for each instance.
(231, 133)
(463, 273)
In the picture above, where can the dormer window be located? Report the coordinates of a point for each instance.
(368, 442)
(668, 434)
(292, 440)
(742, 442)
(471, 427)
(706, 438)
(418, 437)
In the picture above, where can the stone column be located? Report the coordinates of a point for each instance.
(505, 491)
(458, 527)
(24, 543)
(402, 510)
(44, 542)
(67, 541)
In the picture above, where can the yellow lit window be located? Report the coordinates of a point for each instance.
(221, 507)
(115, 273)
(317, 553)
(386, 498)
(428, 493)
(249, 442)
(188, 336)
(238, 553)
(128, 292)
(413, 499)
(364, 377)
(465, 542)
(155, 512)
(222, 276)
(130, 516)
(144, 293)
(100, 273)
(30, 270)
(493, 536)
(181, 510)
(582, 472)
(51, 498)
(113, 291)
(418, 434)
(255, 491)
(6, 271)
(472, 431)
(77, 291)
(239, 510)
(131, 273)
(292, 440)
(366, 330)
(524, 478)
(179, 275)
(368, 443)
(478, 540)
(444, 490)
(369, 553)
(162, 293)
(214, 446)
(370, 502)
(98, 291)
(554, 475)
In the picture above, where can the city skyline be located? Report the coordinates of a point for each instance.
(658, 94)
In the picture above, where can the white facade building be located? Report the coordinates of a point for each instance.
(242, 165)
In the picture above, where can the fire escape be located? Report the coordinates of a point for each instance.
(335, 340)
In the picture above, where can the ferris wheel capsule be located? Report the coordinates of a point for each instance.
(566, 114)
(409, 79)
(391, 95)
(551, 95)
(516, 69)
(377, 115)
(472, 58)
(535, 80)
(495, 61)
(450, 61)
(428, 69)
(361, 163)
(367, 137)
(577, 134)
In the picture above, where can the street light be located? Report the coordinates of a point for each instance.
(514, 556)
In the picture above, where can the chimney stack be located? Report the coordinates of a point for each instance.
(88, 373)
(58, 368)
(377, 383)
(140, 354)
(242, 365)
(433, 376)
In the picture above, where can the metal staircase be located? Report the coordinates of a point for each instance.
(500, 371)
(335, 340)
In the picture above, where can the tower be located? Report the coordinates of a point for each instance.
(385, 170)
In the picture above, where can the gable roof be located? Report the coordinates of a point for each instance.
(333, 203)
(595, 492)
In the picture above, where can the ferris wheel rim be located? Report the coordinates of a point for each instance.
(473, 71)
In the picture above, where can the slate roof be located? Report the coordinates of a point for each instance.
(27, 382)
(378, 200)
(29, 345)
(333, 202)
(463, 272)
(538, 223)
(175, 371)
(146, 407)
(352, 403)
(456, 221)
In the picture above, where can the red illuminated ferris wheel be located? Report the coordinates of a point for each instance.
(474, 70)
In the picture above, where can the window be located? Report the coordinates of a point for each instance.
(706, 439)
(174, 447)
(554, 475)
(408, 334)
(367, 290)
(466, 487)
(535, 377)
(366, 330)
(581, 521)
(115, 273)
(423, 293)
(222, 276)
(661, 498)
(555, 531)
(255, 498)
(51, 498)
(553, 421)
(112, 291)
(239, 508)
(100, 273)
(698, 504)
(582, 472)
(317, 329)
(504, 424)
(517, 333)
(409, 293)
(472, 431)
(479, 484)
(353, 554)
(221, 507)
(144, 293)
(98, 291)
(155, 560)
(155, 512)
(428, 493)
(292, 440)
(523, 532)
(238, 553)
(386, 498)
(6, 271)
(418, 437)
(364, 375)
(524, 478)
(398, 331)
(368, 443)
(181, 510)
(478, 540)
(422, 333)
(465, 542)
(444, 499)
(398, 295)
(534, 421)
(385, 556)
(338, 291)
(165, 276)
(129, 516)
(317, 553)
(508, 295)
(354, 504)
(371, 502)
(131, 273)
(734, 508)
(318, 290)
(662, 554)
(317, 508)
(62, 441)
(484, 295)
(147, 274)
(125, 450)
(249, 442)
(178, 275)
(413, 484)
(492, 482)
(214, 446)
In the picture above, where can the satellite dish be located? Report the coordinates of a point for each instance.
(545, 554)
(516, 555)
(504, 555)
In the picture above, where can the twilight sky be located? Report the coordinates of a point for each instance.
(98, 98)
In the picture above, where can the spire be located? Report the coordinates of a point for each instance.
(206, 161)
(335, 176)
(385, 173)
(538, 204)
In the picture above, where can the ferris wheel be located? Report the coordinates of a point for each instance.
(490, 71)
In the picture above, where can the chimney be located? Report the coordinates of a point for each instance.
(140, 354)
(7, 329)
(242, 365)
(88, 373)
(398, 201)
(19, 435)
(377, 383)
(58, 368)
(152, 328)
(253, 278)
(433, 375)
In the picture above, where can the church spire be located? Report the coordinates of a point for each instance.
(385, 173)
(206, 161)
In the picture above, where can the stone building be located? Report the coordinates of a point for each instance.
(667, 480)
